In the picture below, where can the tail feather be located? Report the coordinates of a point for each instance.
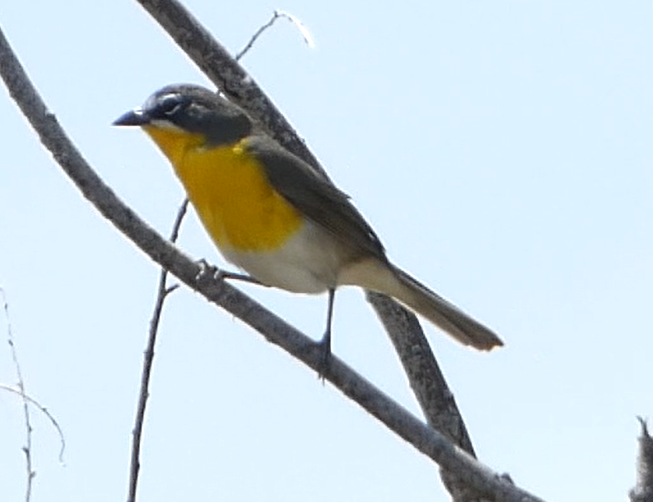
(387, 279)
(443, 314)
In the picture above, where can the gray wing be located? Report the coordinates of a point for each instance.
(315, 197)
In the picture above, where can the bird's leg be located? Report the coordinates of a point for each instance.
(325, 343)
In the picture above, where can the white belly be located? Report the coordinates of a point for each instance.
(307, 263)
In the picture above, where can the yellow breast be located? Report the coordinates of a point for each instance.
(230, 191)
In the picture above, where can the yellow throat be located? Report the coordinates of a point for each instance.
(230, 191)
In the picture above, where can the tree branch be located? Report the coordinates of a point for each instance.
(430, 388)
(275, 330)
(643, 491)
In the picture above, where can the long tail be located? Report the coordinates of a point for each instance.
(390, 280)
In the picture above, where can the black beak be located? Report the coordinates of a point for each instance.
(133, 118)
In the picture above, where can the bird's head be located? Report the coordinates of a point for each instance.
(190, 114)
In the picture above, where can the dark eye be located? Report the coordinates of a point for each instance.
(170, 104)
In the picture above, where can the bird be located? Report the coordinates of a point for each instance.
(273, 216)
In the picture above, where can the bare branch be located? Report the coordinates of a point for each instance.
(27, 449)
(276, 330)
(643, 491)
(430, 387)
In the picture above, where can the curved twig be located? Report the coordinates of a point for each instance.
(45, 411)
(277, 14)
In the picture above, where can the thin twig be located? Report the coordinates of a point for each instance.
(176, 226)
(45, 411)
(148, 360)
(273, 328)
(276, 15)
(27, 449)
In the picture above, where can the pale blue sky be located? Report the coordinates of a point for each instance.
(502, 150)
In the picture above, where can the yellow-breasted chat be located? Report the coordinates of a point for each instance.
(271, 215)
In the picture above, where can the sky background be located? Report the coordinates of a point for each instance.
(501, 149)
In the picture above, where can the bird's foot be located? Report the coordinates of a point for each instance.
(208, 270)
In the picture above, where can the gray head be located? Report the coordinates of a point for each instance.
(193, 109)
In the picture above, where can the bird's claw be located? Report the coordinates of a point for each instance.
(206, 270)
